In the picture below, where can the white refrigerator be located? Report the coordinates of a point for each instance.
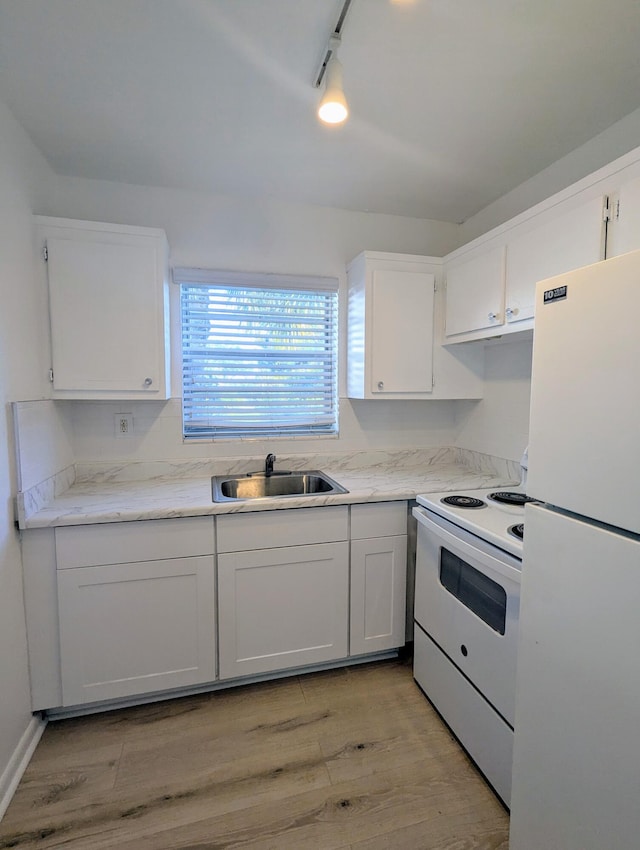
(576, 769)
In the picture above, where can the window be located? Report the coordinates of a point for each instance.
(259, 354)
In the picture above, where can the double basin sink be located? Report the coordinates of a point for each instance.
(273, 485)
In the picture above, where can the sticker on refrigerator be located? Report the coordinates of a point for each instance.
(555, 294)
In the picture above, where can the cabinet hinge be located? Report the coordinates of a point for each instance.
(51, 375)
(606, 208)
(45, 254)
(616, 209)
(435, 286)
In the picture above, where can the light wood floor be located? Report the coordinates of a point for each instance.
(352, 759)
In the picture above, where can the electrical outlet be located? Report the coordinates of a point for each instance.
(123, 424)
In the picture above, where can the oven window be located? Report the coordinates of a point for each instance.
(476, 591)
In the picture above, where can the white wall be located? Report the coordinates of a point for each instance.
(24, 179)
(216, 231)
(219, 231)
(499, 423)
(620, 138)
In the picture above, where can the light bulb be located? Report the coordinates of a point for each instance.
(332, 112)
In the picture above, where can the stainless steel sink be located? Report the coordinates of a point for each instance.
(277, 485)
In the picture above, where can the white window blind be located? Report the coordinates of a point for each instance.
(259, 354)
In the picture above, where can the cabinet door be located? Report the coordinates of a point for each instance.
(475, 293)
(282, 608)
(130, 629)
(401, 332)
(623, 233)
(560, 245)
(107, 311)
(378, 594)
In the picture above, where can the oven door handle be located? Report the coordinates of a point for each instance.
(461, 542)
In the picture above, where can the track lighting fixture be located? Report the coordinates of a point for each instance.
(333, 108)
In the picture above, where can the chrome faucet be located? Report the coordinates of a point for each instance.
(268, 464)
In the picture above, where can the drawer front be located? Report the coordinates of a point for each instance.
(378, 519)
(480, 730)
(269, 529)
(128, 542)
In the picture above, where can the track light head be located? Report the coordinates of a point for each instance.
(333, 108)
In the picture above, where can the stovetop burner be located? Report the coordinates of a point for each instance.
(517, 530)
(508, 497)
(487, 519)
(463, 502)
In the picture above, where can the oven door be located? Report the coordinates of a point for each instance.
(467, 599)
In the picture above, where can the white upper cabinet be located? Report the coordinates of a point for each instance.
(559, 245)
(108, 307)
(390, 327)
(394, 308)
(623, 233)
(491, 287)
(400, 363)
(475, 292)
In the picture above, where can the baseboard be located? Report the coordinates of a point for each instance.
(18, 762)
(54, 714)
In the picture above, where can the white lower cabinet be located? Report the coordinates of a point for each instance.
(132, 622)
(138, 610)
(378, 577)
(130, 629)
(282, 608)
(283, 589)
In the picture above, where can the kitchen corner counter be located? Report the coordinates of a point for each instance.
(182, 492)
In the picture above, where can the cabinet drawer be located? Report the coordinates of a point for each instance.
(480, 729)
(378, 519)
(265, 530)
(127, 542)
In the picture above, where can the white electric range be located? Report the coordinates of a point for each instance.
(495, 515)
(467, 602)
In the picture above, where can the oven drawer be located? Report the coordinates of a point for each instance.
(480, 730)
(468, 600)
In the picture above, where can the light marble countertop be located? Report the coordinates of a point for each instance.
(109, 496)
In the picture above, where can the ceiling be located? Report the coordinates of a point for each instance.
(453, 102)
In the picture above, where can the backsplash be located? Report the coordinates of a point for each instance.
(157, 431)
(399, 459)
(43, 438)
(48, 434)
(489, 464)
(44, 453)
